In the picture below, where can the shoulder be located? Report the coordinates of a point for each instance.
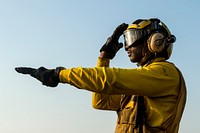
(163, 68)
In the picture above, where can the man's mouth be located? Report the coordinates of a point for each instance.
(129, 53)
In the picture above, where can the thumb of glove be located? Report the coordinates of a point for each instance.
(120, 45)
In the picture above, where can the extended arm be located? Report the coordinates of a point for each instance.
(155, 80)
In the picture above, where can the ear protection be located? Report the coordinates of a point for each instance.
(156, 42)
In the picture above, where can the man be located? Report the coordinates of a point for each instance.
(149, 99)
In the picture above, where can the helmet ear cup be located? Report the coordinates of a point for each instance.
(156, 42)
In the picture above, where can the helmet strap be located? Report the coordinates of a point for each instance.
(147, 56)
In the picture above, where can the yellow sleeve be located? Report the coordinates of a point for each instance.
(105, 101)
(158, 79)
(99, 100)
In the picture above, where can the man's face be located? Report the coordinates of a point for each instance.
(135, 52)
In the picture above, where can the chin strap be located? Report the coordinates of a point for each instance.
(147, 57)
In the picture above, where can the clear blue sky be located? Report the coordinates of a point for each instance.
(70, 33)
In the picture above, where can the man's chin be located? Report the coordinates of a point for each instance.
(133, 61)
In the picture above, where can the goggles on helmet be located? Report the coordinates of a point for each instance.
(133, 35)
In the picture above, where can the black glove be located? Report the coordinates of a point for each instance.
(48, 77)
(112, 45)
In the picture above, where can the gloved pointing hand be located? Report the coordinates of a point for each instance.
(112, 45)
(48, 77)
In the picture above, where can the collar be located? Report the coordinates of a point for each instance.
(158, 59)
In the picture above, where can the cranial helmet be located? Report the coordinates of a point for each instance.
(159, 39)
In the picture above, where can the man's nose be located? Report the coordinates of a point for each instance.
(126, 47)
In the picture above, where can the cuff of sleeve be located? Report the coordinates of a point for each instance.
(103, 62)
(64, 76)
